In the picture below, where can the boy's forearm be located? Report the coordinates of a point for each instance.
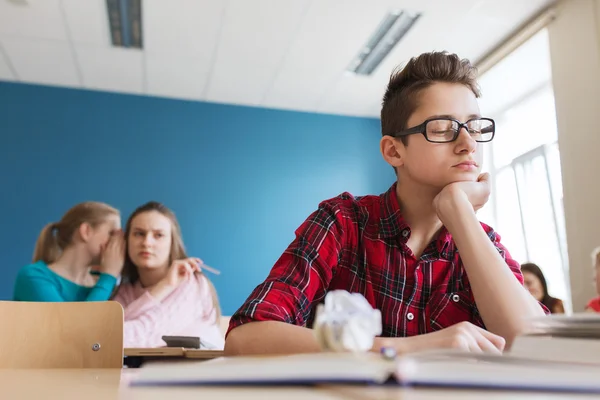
(504, 304)
(270, 337)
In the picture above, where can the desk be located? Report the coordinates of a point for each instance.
(108, 384)
(69, 384)
(197, 354)
(135, 357)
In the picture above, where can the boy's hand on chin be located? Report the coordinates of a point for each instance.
(477, 193)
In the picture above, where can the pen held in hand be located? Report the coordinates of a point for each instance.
(210, 269)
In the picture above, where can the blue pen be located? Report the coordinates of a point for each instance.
(389, 353)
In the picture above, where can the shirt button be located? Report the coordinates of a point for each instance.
(410, 316)
(455, 298)
(405, 233)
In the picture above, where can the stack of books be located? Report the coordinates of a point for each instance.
(559, 338)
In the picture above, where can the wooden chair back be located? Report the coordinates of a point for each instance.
(61, 335)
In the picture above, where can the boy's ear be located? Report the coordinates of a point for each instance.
(391, 150)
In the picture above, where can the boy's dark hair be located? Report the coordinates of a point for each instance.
(401, 96)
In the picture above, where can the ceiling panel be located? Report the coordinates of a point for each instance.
(242, 73)
(182, 26)
(87, 21)
(180, 40)
(36, 19)
(181, 76)
(352, 95)
(5, 71)
(42, 61)
(114, 69)
(508, 10)
(322, 51)
(365, 93)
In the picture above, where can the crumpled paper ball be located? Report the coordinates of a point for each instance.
(346, 322)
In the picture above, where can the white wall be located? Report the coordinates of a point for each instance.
(574, 45)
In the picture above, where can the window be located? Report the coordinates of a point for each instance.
(524, 161)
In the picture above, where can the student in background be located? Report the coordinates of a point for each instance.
(594, 304)
(535, 282)
(87, 235)
(418, 253)
(163, 290)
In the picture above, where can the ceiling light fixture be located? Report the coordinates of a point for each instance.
(19, 3)
(125, 20)
(390, 31)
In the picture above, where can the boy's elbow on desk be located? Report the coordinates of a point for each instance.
(233, 345)
(245, 339)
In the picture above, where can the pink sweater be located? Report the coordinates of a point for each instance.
(187, 311)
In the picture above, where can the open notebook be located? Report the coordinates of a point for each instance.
(447, 369)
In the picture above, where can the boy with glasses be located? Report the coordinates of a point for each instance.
(418, 253)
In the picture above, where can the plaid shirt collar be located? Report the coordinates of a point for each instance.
(393, 225)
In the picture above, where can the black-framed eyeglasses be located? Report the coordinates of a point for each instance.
(445, 130)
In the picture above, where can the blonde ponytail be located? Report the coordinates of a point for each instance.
(46, 247)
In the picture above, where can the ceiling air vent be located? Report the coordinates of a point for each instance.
(125, 19)
(389, 32)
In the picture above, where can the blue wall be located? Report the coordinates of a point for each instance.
(240, 179)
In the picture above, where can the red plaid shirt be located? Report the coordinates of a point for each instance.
(359, 244)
